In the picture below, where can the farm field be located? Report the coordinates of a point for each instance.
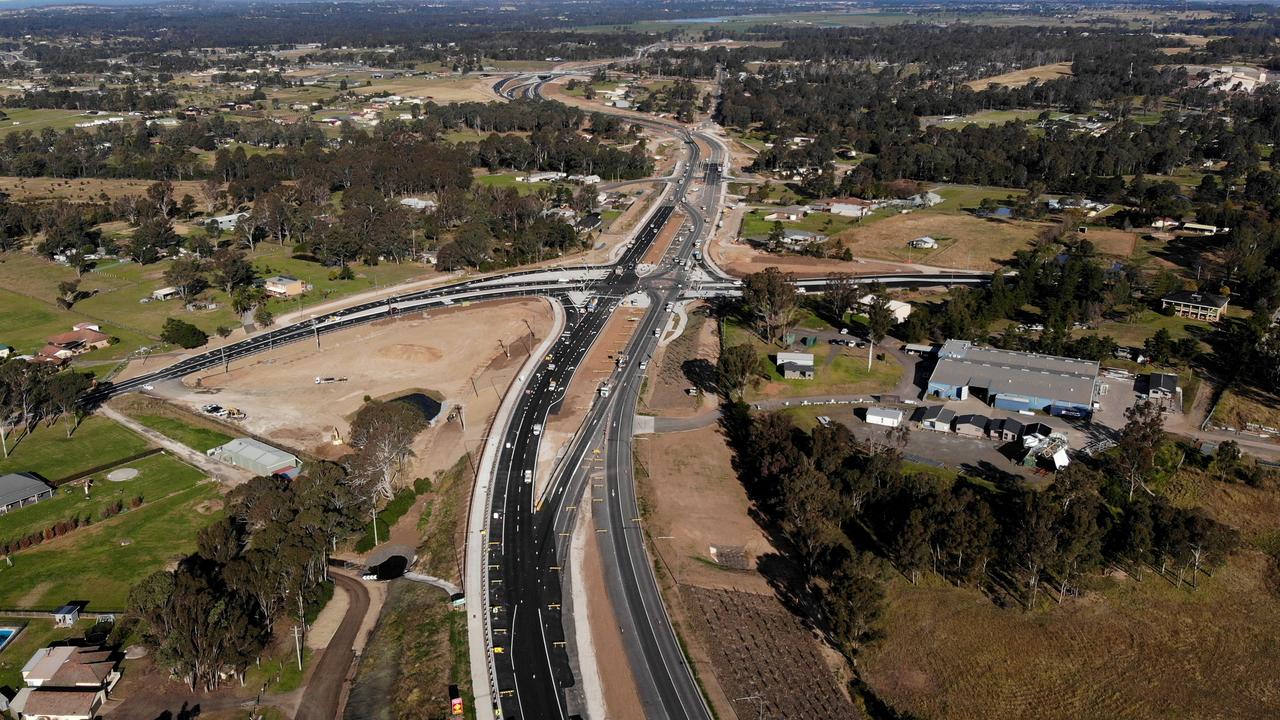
(1240, 406)
(50, 453)
(759, 648)
(1132, 649)
(101, 562)
(440, 90)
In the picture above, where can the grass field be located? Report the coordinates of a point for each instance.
(1146, 323)
(755, 226)
(508, 180)
(965, 241)
(100, 563)
(49, 452)
(29, 314)
(838, 370)
(196, 438)
(35, 120)
(158, 476)
(989, 117)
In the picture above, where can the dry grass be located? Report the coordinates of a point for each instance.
(1133, 650)
(1018, 78)
(965, 242)
(1242, 406)
(1108, 241)
(439, 90)
(85, 190)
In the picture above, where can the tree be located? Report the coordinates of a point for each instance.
(186, 275)
(383, 433)
(1140, 438)
(879, 318)
(737, 364)
(841, 294)
(771, 298)
(65, 389)
(183, 334)
(68, 293)
(1226, 458)
(231, 270)
(853, 601)
(150, 238)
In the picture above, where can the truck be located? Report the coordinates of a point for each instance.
(622, 360)
(603, 389)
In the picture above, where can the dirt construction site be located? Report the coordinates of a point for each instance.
(464, 356)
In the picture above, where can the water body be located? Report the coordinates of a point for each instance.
(427, 405)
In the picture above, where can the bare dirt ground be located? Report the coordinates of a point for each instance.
(692, 500)
(621, 697)
(690, 494)
(693, 353)
(85, 190)
(740, 259)
(442, 91)
(1018, 78)
(452, 352)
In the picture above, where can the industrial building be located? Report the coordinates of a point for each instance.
(257, 457)
(21, 489)
(795, 366)
(888, 417)
(1012, 380)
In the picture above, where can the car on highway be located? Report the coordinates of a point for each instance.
(537, 428)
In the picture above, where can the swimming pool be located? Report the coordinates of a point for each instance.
(7, 634)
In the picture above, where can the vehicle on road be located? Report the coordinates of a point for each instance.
(537, 428)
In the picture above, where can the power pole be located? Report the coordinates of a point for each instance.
(374, 513)
(297, 645)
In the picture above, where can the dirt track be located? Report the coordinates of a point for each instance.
(321, 700)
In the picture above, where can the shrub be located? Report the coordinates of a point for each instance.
(183, 334)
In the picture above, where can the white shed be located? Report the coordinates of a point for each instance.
(888, 417)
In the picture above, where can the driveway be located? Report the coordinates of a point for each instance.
(327, 687)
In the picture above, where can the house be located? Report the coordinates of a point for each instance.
(1012, 380)
(1162, 386)
(39, 704)
(898, 309)
(851, 207)
(165, 293)
(937, 418)
(1005, 429)
(795, 366)
(585, 179)
(795, 212)
(1195, 305)
(20, 490)
(1165, 223)
(68, 667)
(887, 417)
(62, 347)
(562, 213)
(227, 223)
(1036, 430)
(418, 204)
(6, 351)
(972, 425)
(590, 221)
(284, 286)
(257, 457)
(925, 199)
(621, 104)
(924, 243)
(800, 238)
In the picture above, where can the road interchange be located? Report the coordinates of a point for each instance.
(526, 534)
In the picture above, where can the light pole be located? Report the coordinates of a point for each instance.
(315, 329)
